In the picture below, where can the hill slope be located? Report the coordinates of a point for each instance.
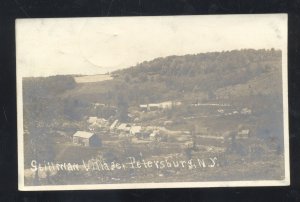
(190, 77)
(230, 75)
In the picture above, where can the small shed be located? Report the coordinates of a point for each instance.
(243, 134)
(85, 139)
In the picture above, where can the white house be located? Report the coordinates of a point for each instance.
(97, 123)
(99, 105)
(135, 130)
(124, 127)
(144, 107)
(246, 111)
(92, 119)
(243, 134)
(221, 111)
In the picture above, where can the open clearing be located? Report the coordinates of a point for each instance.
(92, 78)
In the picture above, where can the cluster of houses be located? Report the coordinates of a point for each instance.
(160, 106)
(116, 128)
(149, 133)
(223, 109)
(96, 125)
(133, 130)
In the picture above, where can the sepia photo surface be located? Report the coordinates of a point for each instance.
(152, 102)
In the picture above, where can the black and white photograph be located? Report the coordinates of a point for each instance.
(152, 102)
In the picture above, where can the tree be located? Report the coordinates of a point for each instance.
(127, 78)
(122, 112)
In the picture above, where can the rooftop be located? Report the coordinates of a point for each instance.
(83, 134)
(123, 126)
(136, 129)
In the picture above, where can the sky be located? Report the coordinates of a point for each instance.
(61, 46)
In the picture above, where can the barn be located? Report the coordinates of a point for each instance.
(86, 139)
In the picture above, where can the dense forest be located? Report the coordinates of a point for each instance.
(199, 74)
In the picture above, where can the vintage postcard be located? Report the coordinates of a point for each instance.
(152, 102)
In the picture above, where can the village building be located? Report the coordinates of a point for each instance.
(155, 136)
(97, 123)
(135, 130)
(161, 105)
(114, 125)
(246, 111)
(153, 106)
(167, 123)
(166, 105)
(85, 138)
(243, 133)
(92, 119)
(124, 127)
(221, 111)
(99, 105)
(144, 107)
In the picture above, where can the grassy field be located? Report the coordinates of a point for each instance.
(92, 78)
